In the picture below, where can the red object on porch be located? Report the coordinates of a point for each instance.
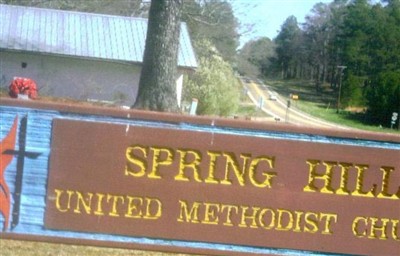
(24, 86)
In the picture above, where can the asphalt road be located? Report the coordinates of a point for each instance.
(276, 106)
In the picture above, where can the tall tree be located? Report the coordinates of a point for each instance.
(214, 21)
(318, 34)
(287, 43)
(338, 10)
(383, 97)
(157, 85)
(254, 58)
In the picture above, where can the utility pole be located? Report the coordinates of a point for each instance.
(341, 68)
(287, 111)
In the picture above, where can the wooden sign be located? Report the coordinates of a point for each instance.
(187, 184)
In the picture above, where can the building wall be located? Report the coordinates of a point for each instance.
(72, 77)
(75, 78)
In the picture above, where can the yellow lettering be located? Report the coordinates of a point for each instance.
(85, 202)
(234, 165)
(268, 175)
(210, 213)
(153, 203)
(321, 180)
(297, 227)
(136, 166)
(356, 228)
(110, 205)
(256, 217)
(289, 220)
(385, 185)
(99, 208)
(58, 199)
(186, 215)
(185, 164)
(344, 178)
(311, 225)
(211, 168)
(251, 217)
(134, 204)
(325, 177)
(261, 218)
(114, 199)
(229, 208)
(158, 161)
(360, 182)
(329, 219)
(188, 165)
(375, 227)
(395, 230)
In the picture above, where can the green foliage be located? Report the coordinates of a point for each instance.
(371, 50)
(322, 105)
(384, 97)
(213, 84)
(362, 35)
(352, 91)
(213, 20)
(287, 43)
(255, 57)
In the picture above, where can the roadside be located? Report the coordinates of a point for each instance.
(279, 108)
(309, 107)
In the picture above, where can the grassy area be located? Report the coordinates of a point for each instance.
(23, 248)
(322, 104)
(247, 108)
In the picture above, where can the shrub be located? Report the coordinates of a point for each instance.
(383, 97)
(213, 84)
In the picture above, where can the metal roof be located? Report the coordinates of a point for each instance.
(88, 35)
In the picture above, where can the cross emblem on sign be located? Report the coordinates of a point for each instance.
(20, 154)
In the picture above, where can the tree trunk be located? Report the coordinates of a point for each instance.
(157, 85)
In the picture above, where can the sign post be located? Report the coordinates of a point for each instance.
(193, 107)
(394, 118)
(341, 69)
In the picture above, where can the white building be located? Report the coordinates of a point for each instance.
(77, 55)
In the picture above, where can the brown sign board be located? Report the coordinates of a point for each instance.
(223, 188)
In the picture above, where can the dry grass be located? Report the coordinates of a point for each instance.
(22, 248)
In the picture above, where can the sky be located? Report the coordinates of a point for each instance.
(267, 16)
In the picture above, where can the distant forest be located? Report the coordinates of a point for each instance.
(353, 43)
